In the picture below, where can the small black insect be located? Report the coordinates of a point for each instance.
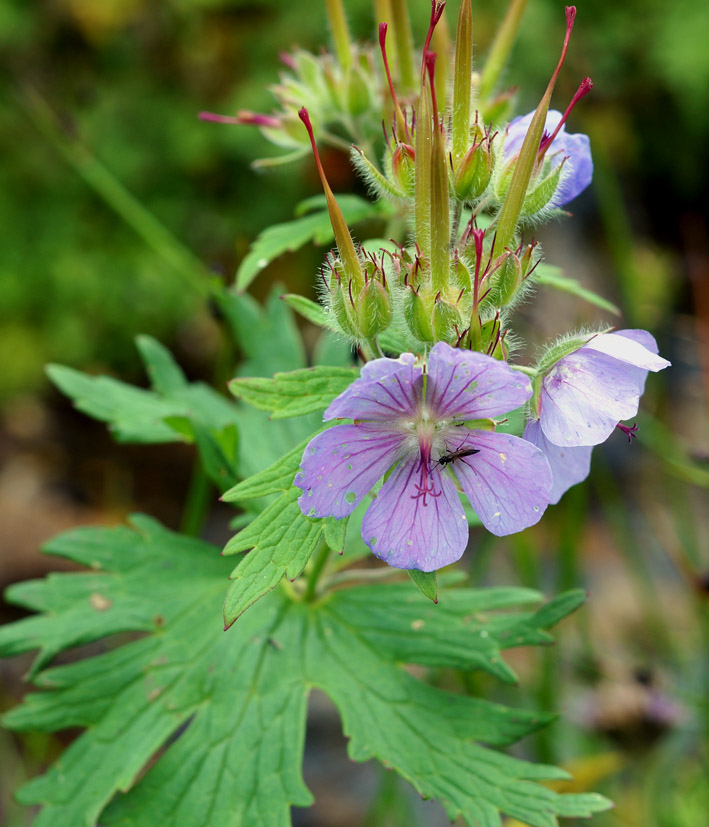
(454, 455)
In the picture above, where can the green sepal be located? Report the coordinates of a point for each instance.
(542, 192)
(562, 348)
(341, 307)
(373, 310)
(426, 582)
(417, 317)
(374, 178)
(335, 533)
(506, 279)
(445, 319)
(473, 175)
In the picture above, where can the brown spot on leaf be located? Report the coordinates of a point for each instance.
(99, 602)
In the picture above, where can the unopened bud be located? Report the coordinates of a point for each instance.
(359, 98)
(505, 279)
(461, 274)
(417, 317)
(373, 310)
(402, 168)
(341, 306)
(446, 319)
(526, 262)
(492, 342)
(474, 172)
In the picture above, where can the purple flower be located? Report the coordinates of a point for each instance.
(576, 148)
(413, 422)
(583, 398)
(569, 466)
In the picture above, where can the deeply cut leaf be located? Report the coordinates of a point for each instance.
(282, 539)
(191, 726)
(292, 235)
(295, 393)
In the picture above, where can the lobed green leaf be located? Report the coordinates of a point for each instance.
(282, 539)
(191, 726)
(297, 392)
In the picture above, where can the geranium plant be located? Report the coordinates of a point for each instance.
(200, 720)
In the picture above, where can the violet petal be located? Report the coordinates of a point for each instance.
(340, 466)
(463, 384)
(569, 466)
(386, 388)
(409, 531)
(507, 482)
(585, 395)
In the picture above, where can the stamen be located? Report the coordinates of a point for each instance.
(427, 487)
(582, 91)
(631, 431)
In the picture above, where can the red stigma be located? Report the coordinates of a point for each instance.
(583, 90)
(305, 117)
(436, 12)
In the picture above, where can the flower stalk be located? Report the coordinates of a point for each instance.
(514, 201)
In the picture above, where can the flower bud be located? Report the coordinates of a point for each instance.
(445, 320)
(461, 274)
(342, 308)
(505, 279)
(526, 263)
(373, 310)
(402, 168)
(417, 317)
(492, 342)
(359, 98)
(474, 172)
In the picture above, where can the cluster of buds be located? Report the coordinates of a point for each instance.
(465, 184)
(341, 93)
(466, 188)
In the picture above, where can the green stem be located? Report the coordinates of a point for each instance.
(375, 347)
(320, 558)
(404, 45)
(501, 48)
(199, 497)
(363, 575)
(527, 371)
(340, 32)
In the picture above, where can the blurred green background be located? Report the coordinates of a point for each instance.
(113, 195)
